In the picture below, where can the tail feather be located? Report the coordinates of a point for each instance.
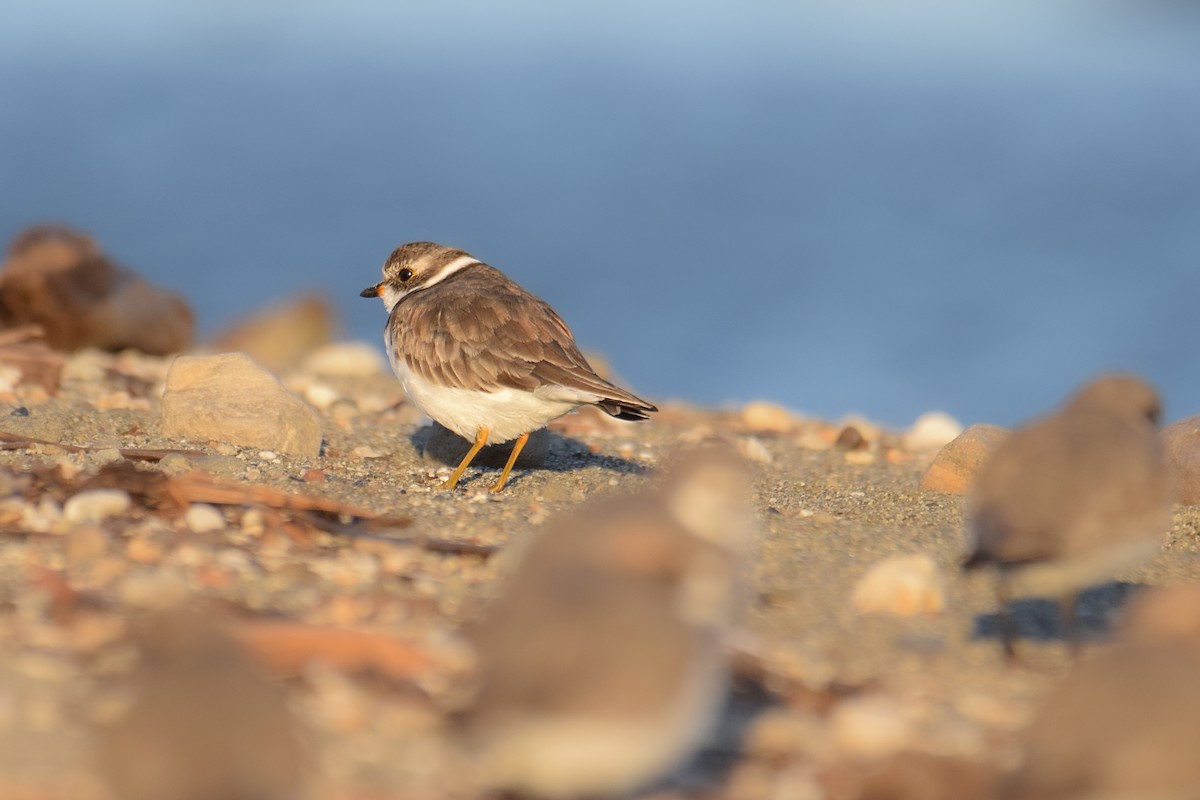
(625, 410)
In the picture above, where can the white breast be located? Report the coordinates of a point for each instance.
(507, 413)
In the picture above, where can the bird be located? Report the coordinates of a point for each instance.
(483, 356)
(1071, 499)
(1122, 724)
(601, 666)
(204, 723)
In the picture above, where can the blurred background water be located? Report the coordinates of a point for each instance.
(841, 205)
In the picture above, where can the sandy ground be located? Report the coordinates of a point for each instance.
(70, 594)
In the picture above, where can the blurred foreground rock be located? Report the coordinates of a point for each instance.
(956, 464)
(229, 398)
(903, 586)
(282, 336)
(60, 279)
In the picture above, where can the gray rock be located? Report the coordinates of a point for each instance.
(230, 398)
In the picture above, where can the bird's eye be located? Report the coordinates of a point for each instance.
(405, 274)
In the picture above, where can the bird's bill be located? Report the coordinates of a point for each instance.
(372, 291)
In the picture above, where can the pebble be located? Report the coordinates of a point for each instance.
(870, 727)
(321, 395)
(231, 399)
(34, 395)
(956, 464)
(144, 550)
(86, 543)
(96, 505)
(863, 427)
(120, 400)
(750, 448)
(175, 464)
(932, 431)
(776, 733)
(253, 523)
(149, 588)
(760, 416)
(346, 360)
(203, 518)
(41, 517)
(106, 455)
(343, 410)
(902, 586)
(814, 438)
(851, 438)
(335, 703)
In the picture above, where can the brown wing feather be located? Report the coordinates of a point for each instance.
(509, 338)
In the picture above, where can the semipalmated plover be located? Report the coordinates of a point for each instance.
(600, 668)
(481, 355)
(1123, 725)
(1072, 499)
(204, 723)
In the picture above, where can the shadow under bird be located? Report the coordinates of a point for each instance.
(1069, 501)
(482, 356)
(601, 667)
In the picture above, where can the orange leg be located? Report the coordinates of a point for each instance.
(480, 441)
(512, 459)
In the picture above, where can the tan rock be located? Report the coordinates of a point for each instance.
(957, 463)
(762, 417)
(203, 518)
(1182, 442)
(871, 726)
(282, 336)
(231, 399)
(932, 431)
(903, 586)
(59, 279)
(96, 505)
(346, 360)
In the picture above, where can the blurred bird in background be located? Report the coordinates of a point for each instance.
(1072, 499)
(601, 667)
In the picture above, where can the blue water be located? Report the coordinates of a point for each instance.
(841, 205)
